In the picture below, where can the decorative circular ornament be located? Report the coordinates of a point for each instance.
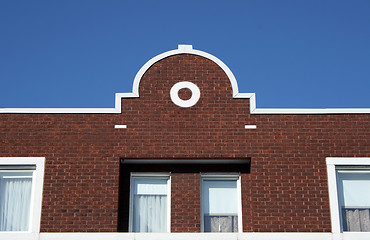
(195, 94)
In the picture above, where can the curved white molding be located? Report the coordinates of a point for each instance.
(184, 49)
(195, 94)
(188, 49)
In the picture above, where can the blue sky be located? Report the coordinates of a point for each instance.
(291, 53)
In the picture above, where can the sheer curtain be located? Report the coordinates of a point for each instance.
(354, 199)
(15, 196)
(356, 220)
(150, 205)
(220, 206)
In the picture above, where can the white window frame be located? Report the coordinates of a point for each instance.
(222, 176)
(332, 164)
(36, 193)
(166, 176)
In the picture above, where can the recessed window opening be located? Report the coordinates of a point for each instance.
(133, 170)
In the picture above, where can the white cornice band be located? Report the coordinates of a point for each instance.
(188, 49)
(186, 236)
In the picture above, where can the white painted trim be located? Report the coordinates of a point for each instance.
(250, 126)
(240, 205)
(169, 204)
(188, 49)
(36, 195)
(285, 236)
(150, 175)
(187, 236)
(222, 176)
(313, 111)
(331, 163)
(154, 175)
(19, 236)
(184, 49)
(58, 110)
(350, 161)
(195, 94)
(333, 198)
(120, 126)
(355, 236)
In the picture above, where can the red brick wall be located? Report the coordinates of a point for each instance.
(285, 191)
(185, 206)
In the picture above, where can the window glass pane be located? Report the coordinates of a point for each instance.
(355, 188)
(151, 186)
(15, 198)
(220, 197)
(150, 205)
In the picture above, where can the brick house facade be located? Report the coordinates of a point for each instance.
(283, 159)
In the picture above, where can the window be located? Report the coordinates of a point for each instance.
(221, 203)
(21, 181)
(15, 198)
(349, 194)
(150, 203)
(354, 199)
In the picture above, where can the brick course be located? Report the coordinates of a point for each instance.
(285, 191)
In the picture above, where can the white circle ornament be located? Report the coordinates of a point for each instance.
(195, 94)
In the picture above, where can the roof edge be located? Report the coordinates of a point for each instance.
(184, 49)
(188, 49)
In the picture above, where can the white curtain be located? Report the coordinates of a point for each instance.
(150, 213)
(220, 223)
(356, 220)
(150, 205)
(15, 196)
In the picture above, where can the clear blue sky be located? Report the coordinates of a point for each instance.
(291, 53)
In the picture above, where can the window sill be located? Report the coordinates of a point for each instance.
(184, 236)
(19, 235)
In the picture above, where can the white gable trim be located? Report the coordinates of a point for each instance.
(188, 49)
(184, 49)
